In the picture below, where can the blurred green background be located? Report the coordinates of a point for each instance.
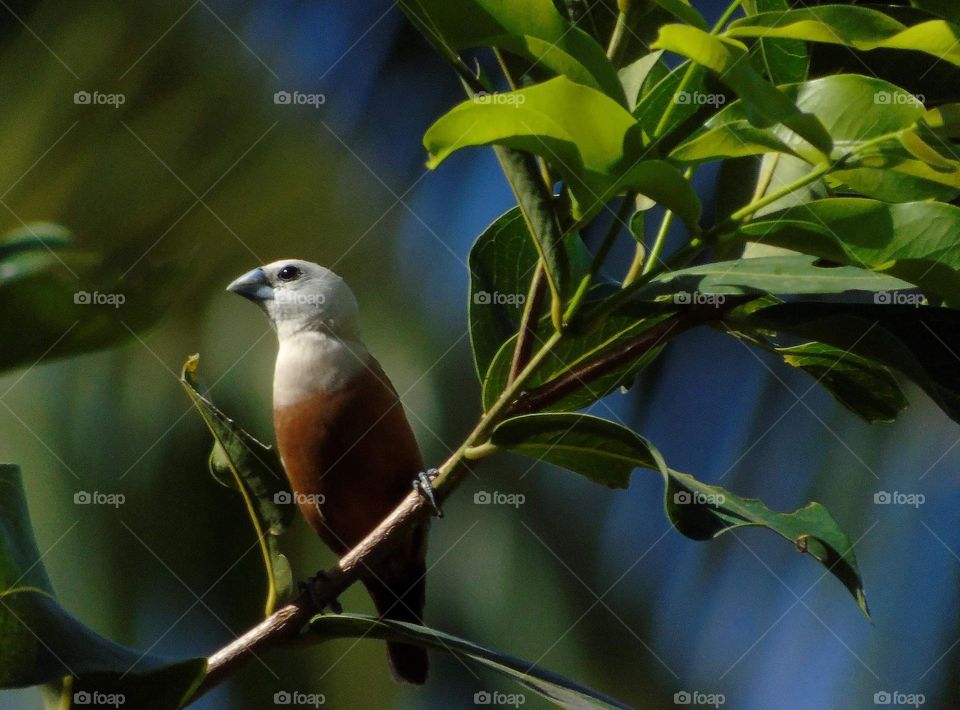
(199, 175)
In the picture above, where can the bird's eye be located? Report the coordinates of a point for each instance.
(288, 273)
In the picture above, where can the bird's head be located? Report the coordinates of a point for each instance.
(301, 296)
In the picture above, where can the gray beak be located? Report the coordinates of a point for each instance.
(253, 285)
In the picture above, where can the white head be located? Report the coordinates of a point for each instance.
(299, 296)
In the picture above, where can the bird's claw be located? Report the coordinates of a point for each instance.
(423, 484)
(310, 588)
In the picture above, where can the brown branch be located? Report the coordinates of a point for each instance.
(556, 389)
(288, 622)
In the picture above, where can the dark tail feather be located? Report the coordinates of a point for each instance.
(401, 598)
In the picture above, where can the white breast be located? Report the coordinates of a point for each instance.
(311, 362)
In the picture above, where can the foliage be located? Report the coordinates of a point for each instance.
(864, 290)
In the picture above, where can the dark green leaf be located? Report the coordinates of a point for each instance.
(922, 342)
(918, 242)
(586, 444)
(40, 642)
(682, 11)
(618, 330)
(243, 463)
(554, 687)
(532, 29)
(502, 262)
(634, 75)
(784, 61)
(859, 384)
(786, 274)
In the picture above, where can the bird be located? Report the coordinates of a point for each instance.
(343, 437)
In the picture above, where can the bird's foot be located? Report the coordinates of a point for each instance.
(310, 588)
(423, 484)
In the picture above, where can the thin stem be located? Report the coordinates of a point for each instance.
(814, 175)
(619, 39)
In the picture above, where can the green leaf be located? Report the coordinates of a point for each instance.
(577, 349)
(660, 100)
(532, 29)
(682, 11)
(848, 107)
(737, 139)
(918, 242)
(559, 690)
(859, 384)
(586, 444)
(502, 262)
(634, 75)
(921, 342)
(784, 61)
(727, 58)
(41, 237)
(40, 642)
(788, 274)
(243, 463)
(591, 141)
(857, 27)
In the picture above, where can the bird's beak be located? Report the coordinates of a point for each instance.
(253, 285)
